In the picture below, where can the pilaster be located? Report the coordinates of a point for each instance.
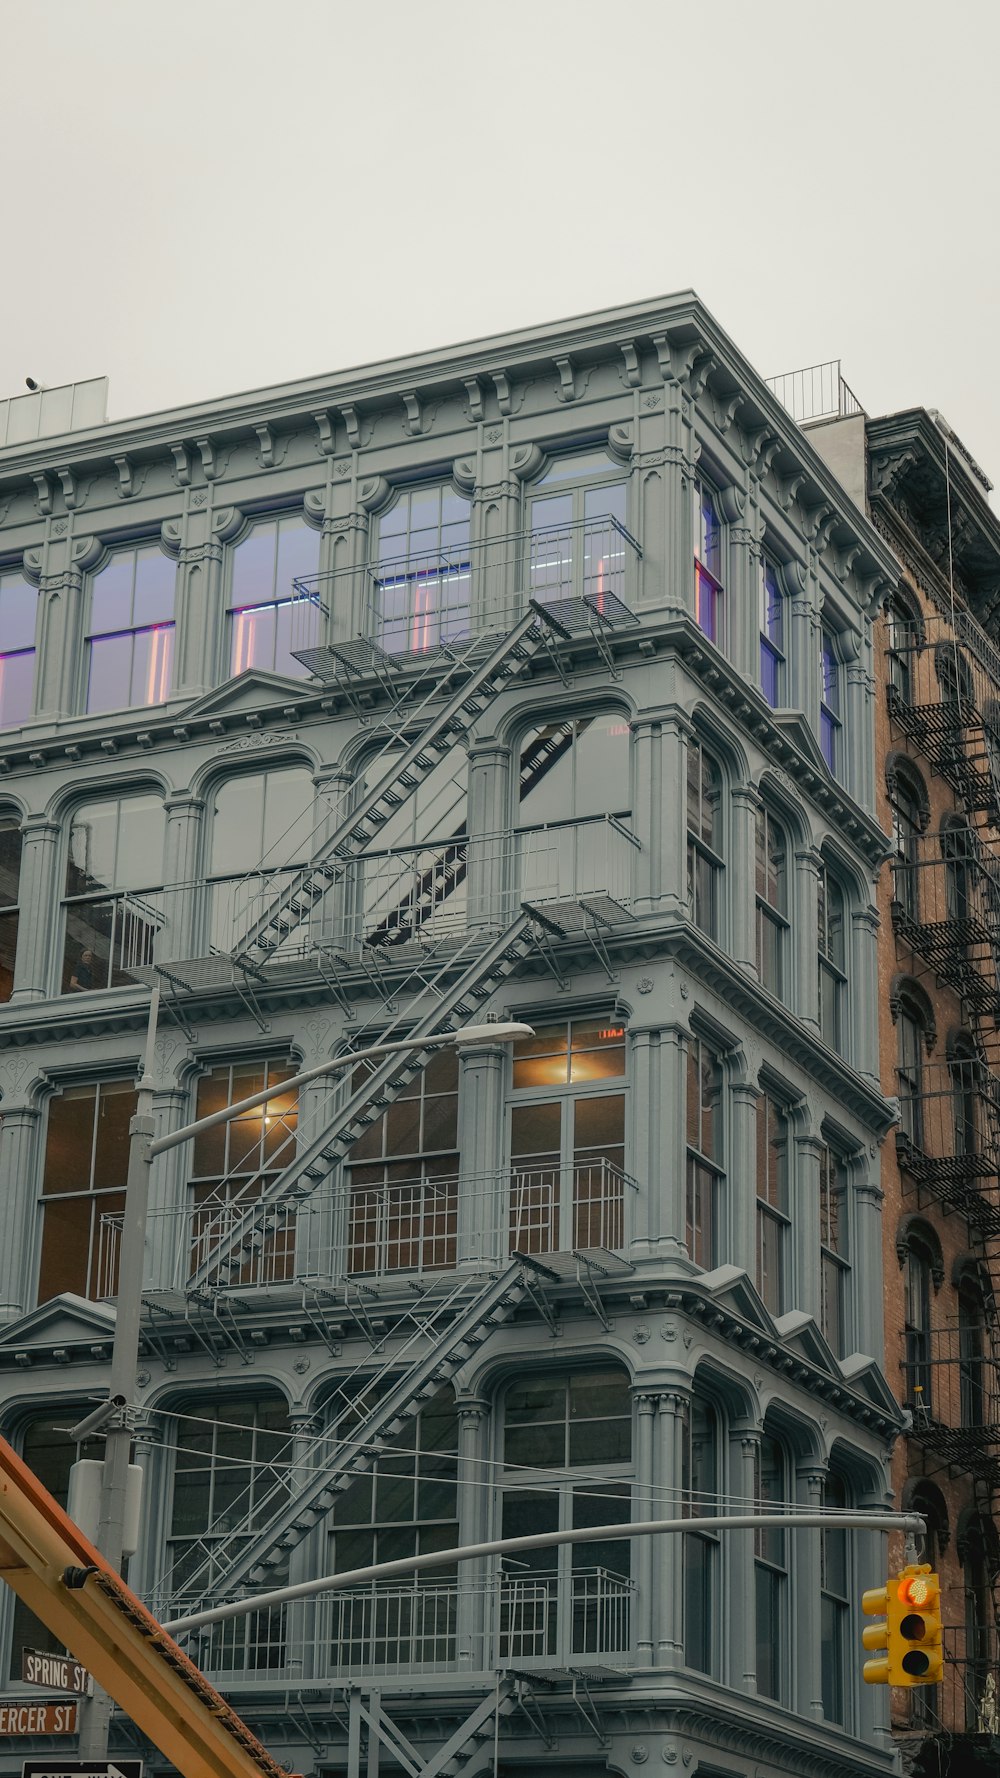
(668, 1567)
(861, 1022)
(803, 994)
(493, 864)
(740, 1608)
(742, 1219)
(806, 1293)
(806, 1556)
(181, 869)
(19, 1168)
(483, 1207)
(472, 1513)
(867, 1323)
(38, 895)
(645, 1497)
(738, 915)
(659, 1075)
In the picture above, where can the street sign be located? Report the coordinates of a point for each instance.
(58, 1673)
(80, 1768)
(38, 1719)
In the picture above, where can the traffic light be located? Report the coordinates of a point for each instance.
(909, 1641)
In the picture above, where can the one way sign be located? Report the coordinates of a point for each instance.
(80, 1768)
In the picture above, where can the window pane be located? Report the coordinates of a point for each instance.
(298, 554)
(111, 594)
(110, 686)
(18, 613)
(155, 580)
(116, 1106)
(253, 639)
(17, 681)
(152, 665)
(140, 842)
(253, 567)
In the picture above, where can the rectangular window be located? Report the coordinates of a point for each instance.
(234, 1163)
(577, 544)
(704, 830)
(771, 1572)
(268, 616)
(833, 1247)
(772, 635)
(568, 1187)
(830, 728)
(772, 1202)
(771, 855)
(708, 588)
(114, 902)
(403, 1178)
(701, 1548)
(423, 573)
(130, 641)
(834, 1606)
(10, 883)
(83, 1189)
(18, 616)
(705, 1175)
(832, 977)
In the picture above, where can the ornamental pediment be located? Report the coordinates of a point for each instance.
(793, 724)
(246, 693)
(65, 1321)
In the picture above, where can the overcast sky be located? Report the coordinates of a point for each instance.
(205, 196)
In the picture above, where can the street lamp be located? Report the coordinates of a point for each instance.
(115, 1416)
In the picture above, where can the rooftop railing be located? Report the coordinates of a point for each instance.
(818, 392)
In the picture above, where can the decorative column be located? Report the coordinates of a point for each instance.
(646, 1507)
(20, 1165)
(742, 1219)
(38, 894)
(858, 771)
(862, 991)
(806, 1293)
(803, 998)
(806, 1557)
(181, 875)
(59, 570)
(659, 1074)
(331, 921)
(866, 1257)
(472, 1510)
(305, 1646)
(660, 741)
(740, 1596)
(169, 1224)
(494, 867)
(803, 645)
(667, 1573)
(743, 591)
(143, 1564)
(483, 1213)
(740, 883)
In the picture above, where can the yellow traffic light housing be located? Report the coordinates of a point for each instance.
(908, 1643)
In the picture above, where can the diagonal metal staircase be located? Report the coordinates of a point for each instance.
(379, 1411)
(228, 1246)
(407, 767)
(470, 1749)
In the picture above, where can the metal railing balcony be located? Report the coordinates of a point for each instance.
(946, 910)
(110, 933)
(818, 392)
(948, 1138)
(943, 693)
(416, 603)
(951, 1384)
(434, 1627)
(430, 1223)
(441, 889)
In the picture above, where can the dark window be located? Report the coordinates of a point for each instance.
(975, 1381)
(771, 1572)
(83, 1189)
(406, 1505)
(832, 958)
(423, 573)
(130, 640)
(772, 902)
(918, 1293)
(18, 614)
(907, 824)
(903, 636)
(833, 1238)
(772, 1202)
(234, 1162)
(114, 903)
(830, 722)
(772, 634)
(910, 1076)
(704, 843)
(705, 1174)
(708, 573)
(567, 1139)
(834, 1606)
(701, 1548)
(10, 881)
(267, 616)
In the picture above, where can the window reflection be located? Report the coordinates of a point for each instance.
(423, 574)
(83, 1186)
(130, 642)
(267, 618)
(18, 613)
(114, 896)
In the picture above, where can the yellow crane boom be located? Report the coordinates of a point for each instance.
(49, 1564)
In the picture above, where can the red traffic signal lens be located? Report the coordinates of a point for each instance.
(917, 1589)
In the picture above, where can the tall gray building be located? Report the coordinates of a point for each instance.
(531, 679)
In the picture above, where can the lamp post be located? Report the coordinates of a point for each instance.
(116, 1416)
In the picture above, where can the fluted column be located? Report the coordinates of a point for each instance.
(668, 1569)
(181, 872)
(20, 1166)
(739, 892)
(803, 990)
(742, 1218)
(807, 1294)
(482, 1207)
(38, 949)
(200, 632)
(743, 597)
(473, 1616)
(803, 645)
(146, 1454)
(659, 1076)
(806, 1557)
(740, 1611)
(858, 771)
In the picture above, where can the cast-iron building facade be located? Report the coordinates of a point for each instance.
(536, 679)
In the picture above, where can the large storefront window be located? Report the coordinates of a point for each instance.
(114, 902)
(49, 1454)
(83, 1189)
(568, 1187)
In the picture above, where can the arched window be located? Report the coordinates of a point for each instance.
(832, 955)
(834, 1238)
(771, 1571)
(114, 903)
(49, 1455)
(572, 1600)
(234, 1162)
(969, 1075)
(977, 1544)
(709, 574)
(267, 617)
(18, 617)
(771, 854)
(574, 802)
(908, 802)
(918, 1297)
(567, 1138)
(423, 571)
(261, 830)
(835, 1609)
(772, 633)
(701, 1548)
(704, 841)
(130, 634)
(773, 1222)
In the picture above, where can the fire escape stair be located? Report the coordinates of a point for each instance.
(470, 1749)
(379, 1413)
(236, 1241)
(407, 768)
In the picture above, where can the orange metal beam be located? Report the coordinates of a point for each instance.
(106, 1627)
